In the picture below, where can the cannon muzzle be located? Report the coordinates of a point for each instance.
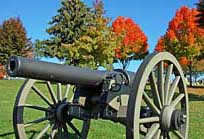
(27, 68)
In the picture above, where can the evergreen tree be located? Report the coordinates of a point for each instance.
(81, 35)
(68, 25)
(96, 47)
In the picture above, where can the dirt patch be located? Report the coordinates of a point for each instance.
(196, 91)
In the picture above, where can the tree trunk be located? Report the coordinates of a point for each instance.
(190, 72)
(195, 77)
(124, 66)
(125, 63)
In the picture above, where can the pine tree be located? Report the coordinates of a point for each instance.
(68, 25)
(80, 35)
(96, 47)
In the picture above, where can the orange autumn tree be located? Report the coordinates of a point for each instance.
(2, 72)
(183, 38)
(131, 41)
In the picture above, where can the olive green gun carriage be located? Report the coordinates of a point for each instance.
(151, 103)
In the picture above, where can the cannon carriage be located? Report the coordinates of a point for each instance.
(151, 103)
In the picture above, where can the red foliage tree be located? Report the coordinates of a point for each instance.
(13, 40)
(183, 38)
(131, 41)
(2, 71)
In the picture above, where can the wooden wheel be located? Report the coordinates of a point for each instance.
(38, 112)
(158, 103)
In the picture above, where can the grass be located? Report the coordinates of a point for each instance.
(99, 129)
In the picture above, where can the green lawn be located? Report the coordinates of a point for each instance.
(99, 129)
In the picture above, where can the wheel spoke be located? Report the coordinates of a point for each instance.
(150, 103)
(168, 136)
(59, 91)
(40, 135)
(152, 131)
(173, 89)
(163, 135)
(167, 83)
(67, 91)
(74, 128)
(177, 100)
(161, 81)
(178, 134)
(53, 132)
(39, 93)
(64, 126)
(149, 120)
(39, 120)
(143, 129)
(59, 133)
(154, 89)
(51, 91)
(157, 135)
(36, 107)
(85, 129)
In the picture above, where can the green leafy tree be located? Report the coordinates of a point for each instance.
(81, 35)
(72, 19)
(96, 46)
(13, 40)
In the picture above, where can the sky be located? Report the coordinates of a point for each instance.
(152, 16)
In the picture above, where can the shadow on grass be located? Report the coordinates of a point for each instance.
(194, 97)
(201, 86)
(6, 134)
(33, 133)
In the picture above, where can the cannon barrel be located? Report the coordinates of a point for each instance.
(27, 68)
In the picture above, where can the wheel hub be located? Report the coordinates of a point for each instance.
(171, 119)
(178, 119)
(58, 113)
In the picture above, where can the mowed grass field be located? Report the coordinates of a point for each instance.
(99, 129)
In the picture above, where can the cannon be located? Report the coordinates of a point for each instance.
(151, 103)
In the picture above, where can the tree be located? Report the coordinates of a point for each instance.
(183, 38)
(79, 34)
(96, 46)
(131, 41)
(200, 15)
(70, 23)
(2, 71)
(13, 40)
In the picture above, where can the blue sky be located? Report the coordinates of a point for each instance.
(151, 15)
